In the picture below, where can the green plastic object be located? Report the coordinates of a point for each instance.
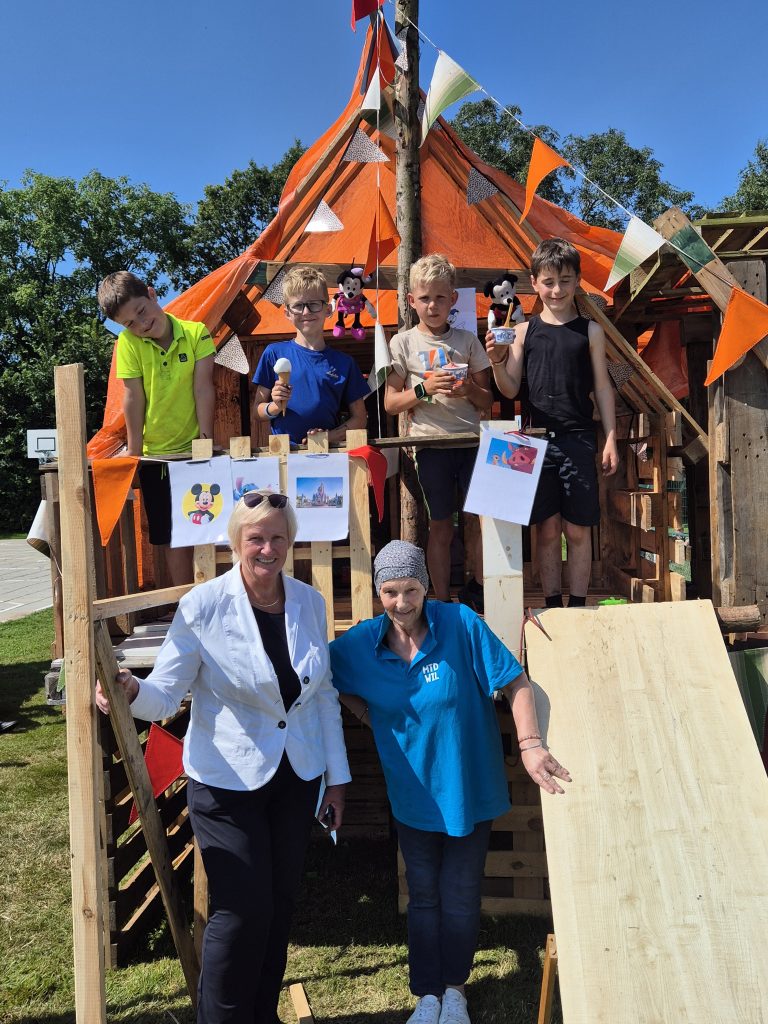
(614, 600)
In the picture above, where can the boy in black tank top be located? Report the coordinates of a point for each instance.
(563, 358)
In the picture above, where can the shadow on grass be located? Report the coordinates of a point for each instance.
(20, 684)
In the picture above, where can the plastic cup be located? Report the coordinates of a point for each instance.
(503, 335)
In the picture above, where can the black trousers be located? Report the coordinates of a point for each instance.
(253, 845)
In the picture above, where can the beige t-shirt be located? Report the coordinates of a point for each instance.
(416, 354)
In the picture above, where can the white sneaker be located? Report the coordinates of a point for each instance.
(427, 1011)
(454, 1009)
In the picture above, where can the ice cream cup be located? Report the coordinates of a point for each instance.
(459, 370)
(503, 335)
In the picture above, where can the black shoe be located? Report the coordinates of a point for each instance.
(472, 597)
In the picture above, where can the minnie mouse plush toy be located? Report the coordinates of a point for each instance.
(501, 292)
(349, 299)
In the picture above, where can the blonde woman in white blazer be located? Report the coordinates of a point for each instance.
(264, 728)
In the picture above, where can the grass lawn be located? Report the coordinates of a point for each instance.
(348, 940)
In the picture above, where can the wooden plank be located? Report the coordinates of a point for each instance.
(322, 551)
(130, 565)
(83, 757)
(626, 583)
(280, 445)
(204, 555)
(634, 508)
(466, 277)
(548, 982)
(657, 853)
(53, 527)
(301, 1004)
(360, 550)
(109, 607)
(154, 831)
(500, 906)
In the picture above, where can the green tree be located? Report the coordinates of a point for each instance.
(58, 238)
(501, 142)
(231, 216)
(752, 193)
(630, 175)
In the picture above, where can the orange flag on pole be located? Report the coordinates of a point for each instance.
(384, 236)
(543, 161)
(112, 479)
(745, 323)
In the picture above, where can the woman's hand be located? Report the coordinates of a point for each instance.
(127, 681)
(333, 797)
(544, 769)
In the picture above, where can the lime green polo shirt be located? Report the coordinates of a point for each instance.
(170, 419)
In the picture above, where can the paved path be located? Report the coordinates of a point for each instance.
(25, 580)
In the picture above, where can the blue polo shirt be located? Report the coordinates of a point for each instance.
(322, 383)
(433, 720)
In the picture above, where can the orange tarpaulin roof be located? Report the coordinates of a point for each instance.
(484, 235)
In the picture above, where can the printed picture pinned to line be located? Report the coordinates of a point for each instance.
(515, 455)
(493, 490)
(201, 501)
(261, 474)
(318, 487)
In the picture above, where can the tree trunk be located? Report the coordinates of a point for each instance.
(408, 200)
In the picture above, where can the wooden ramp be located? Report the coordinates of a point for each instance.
(658, 854)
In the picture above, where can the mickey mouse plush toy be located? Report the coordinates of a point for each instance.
(501, 292)
(349, 299)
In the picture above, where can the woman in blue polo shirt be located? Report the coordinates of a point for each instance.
(422, 675)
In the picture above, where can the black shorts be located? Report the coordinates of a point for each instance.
(444, 475)
(156, 495)
(568, 482)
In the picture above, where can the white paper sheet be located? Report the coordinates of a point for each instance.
(318, 487)
(506, 475)
(201, 501)
(259, 474)
(463, 314)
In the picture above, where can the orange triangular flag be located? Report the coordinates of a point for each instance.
(112, 479)
(744, 324)
(162, 757)
(543, 161)
(384, 237)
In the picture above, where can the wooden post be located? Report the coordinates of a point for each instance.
(322, 552)
(408, 200)
(82, 746)
(548, 981)
(359, 532)
(280, 445)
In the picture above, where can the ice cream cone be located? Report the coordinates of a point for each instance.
(283, 370)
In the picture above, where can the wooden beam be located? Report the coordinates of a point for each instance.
(548, 982)
(79, 661)
(109, 607)
(322, 550)
(301, 1004)
(360, 550)
(466, 277)
(743, 619)
(635, 508)
(149, 815)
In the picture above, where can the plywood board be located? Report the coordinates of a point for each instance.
(658, 853)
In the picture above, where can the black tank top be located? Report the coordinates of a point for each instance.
(558, 369)
(275, 640)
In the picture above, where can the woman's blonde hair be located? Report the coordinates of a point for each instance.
(243, 516)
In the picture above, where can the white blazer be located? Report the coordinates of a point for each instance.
(238, 727)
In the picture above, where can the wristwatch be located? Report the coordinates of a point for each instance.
(421, 392)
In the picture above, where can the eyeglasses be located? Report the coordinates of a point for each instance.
(297, 308)
(254, 498)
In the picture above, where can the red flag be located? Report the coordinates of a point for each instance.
(384, 236)
(745, 323)
(543, 161)
(361, 8)
(377, 472)
(163, 760)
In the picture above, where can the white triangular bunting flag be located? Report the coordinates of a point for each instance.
(363, 150)
(450, 82)
(324, 219)
(479, 187)
(231, 355)
(639, 242)
(402, 61)
(382, 360)
(274, 290)
(372, 98)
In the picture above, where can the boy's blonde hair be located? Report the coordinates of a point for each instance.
(117, 289)
(298, 280)
(434, 267)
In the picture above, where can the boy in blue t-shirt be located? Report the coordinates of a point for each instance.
(322, 380)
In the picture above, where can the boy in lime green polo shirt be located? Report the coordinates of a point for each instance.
(166, 365)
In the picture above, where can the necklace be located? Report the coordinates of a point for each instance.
(271, 604)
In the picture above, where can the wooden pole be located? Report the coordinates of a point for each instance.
(82, 746)
(408, 200)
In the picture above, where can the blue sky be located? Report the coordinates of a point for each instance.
(178, 93)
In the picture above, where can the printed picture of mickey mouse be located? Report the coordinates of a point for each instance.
(511, 455)
(203, 501)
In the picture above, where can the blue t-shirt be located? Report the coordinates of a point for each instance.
(433, 721)
(322, 382)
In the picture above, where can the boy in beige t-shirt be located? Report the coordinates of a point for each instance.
(439, 403)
